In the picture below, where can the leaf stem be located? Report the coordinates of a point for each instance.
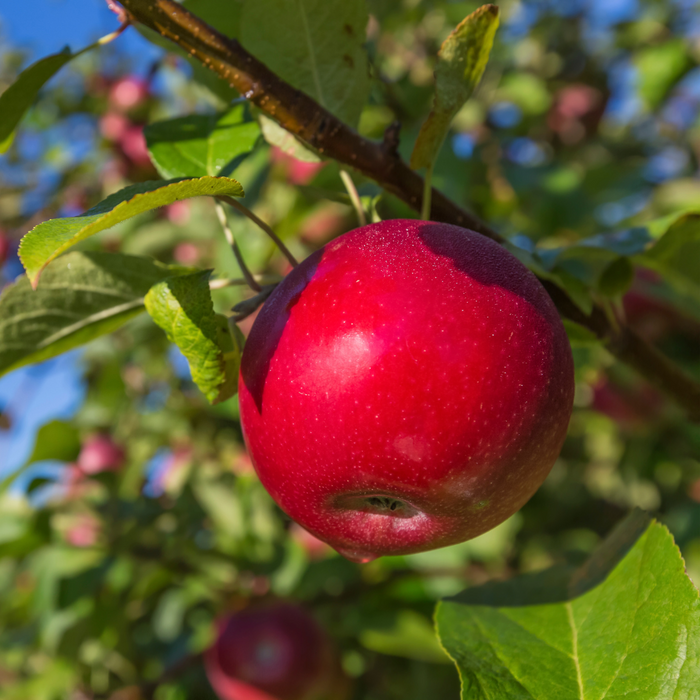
(611, 316)
(241, 282)
(427, 193)
(354, 196)
(261, 224)
(111, 37)
(248, 276)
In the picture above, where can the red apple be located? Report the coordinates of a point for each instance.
(84, 531)
(128, 92)
(407, 387)
(133, 145)
(299, 172)
(100, 453)
(274, 653)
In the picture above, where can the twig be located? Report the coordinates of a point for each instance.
(240, 282)
(248, 276)
(120, 12)
(427, 194)
(113, 35)
(261, 224)
(354, 196)
(307, 120)
(296, 111)
(249, 306)
(607, 306)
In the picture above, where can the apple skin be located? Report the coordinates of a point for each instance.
(406, 387)
(277, 652)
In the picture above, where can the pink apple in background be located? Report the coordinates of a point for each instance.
(100, 454)
(113, 126)
(186, 253)
(84, 531)
(326, 222)
(133, 144)
(407, 387)
(576, 111)
(128, 92)
(299, 172)
(277, 652)
(4, 247)
(179, 212)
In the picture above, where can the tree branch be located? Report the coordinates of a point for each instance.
(302, 116)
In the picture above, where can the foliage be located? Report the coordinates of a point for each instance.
(579, 146)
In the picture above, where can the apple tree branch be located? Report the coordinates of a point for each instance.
(307, 120)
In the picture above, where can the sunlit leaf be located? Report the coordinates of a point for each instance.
(18, 98)
(659, 67)
(276, 135)
(412, 636)
(676, 254)
(461, 63)
(200, 144)
(83, 296)
(183, 308)
(626, 624)
(49, 239)
(315, 45)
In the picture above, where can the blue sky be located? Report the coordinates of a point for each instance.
(35, 395)
(41, 27)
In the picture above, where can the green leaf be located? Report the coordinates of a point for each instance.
(626, 624)
(412, 637)
(183, 308)
(56, 440)
(659, 67)
(315, 45)
(461, 62)
(18, 98)
(616, 278)
(676, 255)
(526, 90)
(596, 263)
(579, 336)
(277, 135)
(83, 296)
(210, 11)
(222, 505)
(49, 239)
(544, 266)
(198, 145)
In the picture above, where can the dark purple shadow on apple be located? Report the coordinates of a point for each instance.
(470, 254)
(270, 324)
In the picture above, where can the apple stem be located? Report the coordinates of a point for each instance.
(261, 224)
(354, 196)
(248, 276)
(427, 193)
